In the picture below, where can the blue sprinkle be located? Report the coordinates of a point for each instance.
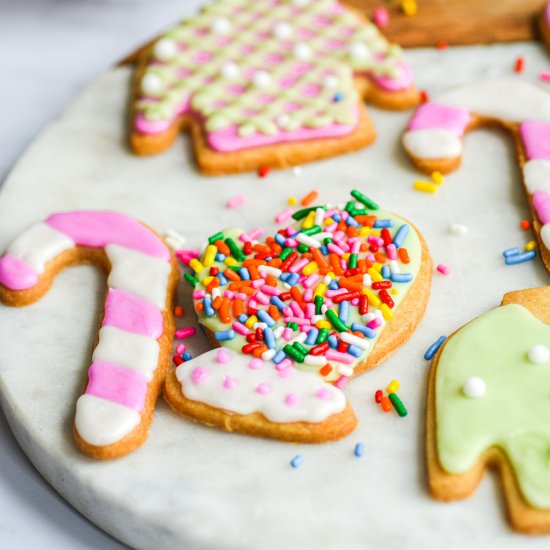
(432, 350)
(401, 277)
(354, 350)
(383, 223)
(186, 356)
(520, 258)
(268, 258)
(385, 272)
(207, 303)
(333, 284)
(324, 250)
(293, 279)
(223, 335)
(510, 252)
(297, 461)
(279, 356)
(343, 311)
(336, 217)
(244, 273)
(269, 338)
(311, 337)
(266, 318)
(280, 239)
(220, 257)
(338, 96)
(359, 450)
(277, 302)
(222, 278)
(368, 332)
(401, 235)
(333, 341)
(352, 221)
(284, 277)
(243, 318)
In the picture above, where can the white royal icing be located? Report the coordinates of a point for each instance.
(101, 422)
(131, 351)
(243, 397)
(545, 235)
(500, 98)
(536, 174)
(432, 144)
(39, 244)
(138, 273)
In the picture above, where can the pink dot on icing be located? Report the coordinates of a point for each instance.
(291, 399)
(256, 364)
(180, 348)
(323, 393)
(199, 374)
(285, 372)
(223, 355)
(229, 383)
(263, 389)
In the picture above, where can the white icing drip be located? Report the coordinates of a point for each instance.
(38, 244)
(432, 144)
(502, 98)
(132, 351)
(536, 174)
(244, 399)
(142, 275)
(101, 422)
(545, 235)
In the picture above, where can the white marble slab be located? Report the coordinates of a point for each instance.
(195, 487)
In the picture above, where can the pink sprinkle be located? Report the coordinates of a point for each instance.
(336, 249)
(377, 241)
(285, 372)
(287, 333)
(297, 320)
(256, 364)
(199, 294)
(331, 212)
(263, 389)
(443, 269)
(299, 265)
(228, 294)
(258, 283)
(333, 355)
(236, 201)
(185, 332)
(286, 363)
(241, 329)
(291, 243)
(229, 383)
(296, 309)
(199, 374)
(223, 355)
(381, 17)
(311, 280)
(185, 256)
(308, 295)
(262, 298)
(391, 252)
(310, 310)
(323, 393)
(544, 76)
(284, 215)
(375, 323)
(256, 233)
(341, 382)
(271, 290)
(290, 231)
(180, 348)
(291, 399)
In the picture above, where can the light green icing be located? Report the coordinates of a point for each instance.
(205, 86)
(413, 246)
(514, 413)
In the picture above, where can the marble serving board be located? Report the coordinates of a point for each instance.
(191, 486)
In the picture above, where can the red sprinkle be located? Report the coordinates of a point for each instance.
(386, 298)
(378, 396)
(177, 360)
(518, 66)
(525, 225)
(263, 171)
(386, 236)
(377, 285)
(363, 304)
(249, 348)
(319, 349)
(442, 45)
(247, 249)
(178, 311)
(345, 297)
(424, 96)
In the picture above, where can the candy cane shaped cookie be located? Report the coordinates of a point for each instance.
(269, 82)
(435, 133)
(297, 315)
(133, 347)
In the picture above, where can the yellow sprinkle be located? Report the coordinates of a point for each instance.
(310, 268)
(309, 220)
(386, 312)
(230, 261)
(364, 231)
(531, 245)
(331, 274)
(393, 386)
(328, 221)
(377, 266)
(394, 291)
(323, 324)
(346, 256)
(251, 321)
(375, 275)
(207, 280)
(409, 7)
(320, 289)
(210, 255)
(375, 232)
(195, 265)
(292, 201)
(437, 177)
(426, 186)
(373, 299)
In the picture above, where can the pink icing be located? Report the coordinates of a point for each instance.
(535, 136)
(113, 383)
(132, 314)
(98, 229)
(402, 82)
(442, 117)
(199, 374)
(16, 274)
(541, 203)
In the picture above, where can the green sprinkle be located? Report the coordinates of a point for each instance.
(234, 268)
(305, 211)
(294, 353)
(312, 230)
(193, 281)
(322, 337)
(353, 261)
(235, 250)
(216, 237)
(370, 204)
(335, 321)
(318, 304)
(285, 253)
(350, 207)
(303, 248)
(300, 348)
(397, 404)
(292, 325)
(327, 241)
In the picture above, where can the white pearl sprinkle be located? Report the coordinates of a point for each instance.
(261, 79)
(283, 120)
(151, 84)
(330, 81)
(165, 49)
(221, 25)
(538, 354)
(474, 387)
(297, 170)
(230, 69)
(458, 230)
(302, 52)
(358, 50)
(282, 30)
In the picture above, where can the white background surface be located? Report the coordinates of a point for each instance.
(56, 49)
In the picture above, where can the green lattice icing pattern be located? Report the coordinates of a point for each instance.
(266, 71)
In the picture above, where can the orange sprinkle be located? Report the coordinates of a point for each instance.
(238, 307)
(225, 315)
(223, 248)
(215, 283)
(525, 225)
(274, 312)
(380, 257)
(258, 351)
(318, 258)
(366, 220)
(232, 275)
(254, 273)
(275, 262)
(178, 311)
(217, 302)
(324, 371)
(403, 255)
(362, 265)
(199, 306)
(239, 285)
(309, 198)
(352, 231)
(350, 285)
(270, 280)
